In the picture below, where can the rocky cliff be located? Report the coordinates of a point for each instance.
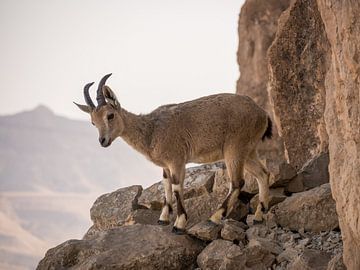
(300, 60)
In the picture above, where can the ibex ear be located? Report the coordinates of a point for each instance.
(84, 108)
(110, 97)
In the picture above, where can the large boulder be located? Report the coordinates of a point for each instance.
(257, 28)
(298, 61)
(342, 117)
(313, 210)
(112, 209)
(130, 247)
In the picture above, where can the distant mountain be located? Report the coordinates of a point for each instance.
(40, 150)
(51, 171)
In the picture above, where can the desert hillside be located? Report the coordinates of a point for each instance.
(52, 169)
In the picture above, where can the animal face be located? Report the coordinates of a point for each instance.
(106, 116)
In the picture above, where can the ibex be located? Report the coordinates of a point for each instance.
(225, 127)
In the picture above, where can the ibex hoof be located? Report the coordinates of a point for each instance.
(178, 231)
(163, 222)
(258, 221)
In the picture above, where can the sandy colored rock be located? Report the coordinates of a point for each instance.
(342, 116)
(233, 231)
(213, 255)
(311, 260)
(276, 196)
(142, 216)
(129, 247)
(297, 81)
(112, 209)
(198, 181)
(312, 210)
(336, 263)
(206, 230)
(257, 28)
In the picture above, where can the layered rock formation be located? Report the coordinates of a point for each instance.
(314, 84)
(257, 28)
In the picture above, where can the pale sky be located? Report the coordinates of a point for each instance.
(159, 51)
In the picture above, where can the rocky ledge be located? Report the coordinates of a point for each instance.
(301, 230)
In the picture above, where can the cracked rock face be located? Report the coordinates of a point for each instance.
(130, 247)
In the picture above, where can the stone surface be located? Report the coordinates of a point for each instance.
(342, 116)
(233, 231)
(297, 81)
(213, 255)
(257, 28)
(205, 230)
(142, 216)
(314, 173)
(311, 260)
(336, 263)
(276, 196)
(312, 210)
(198, 181)
(112, 209)
(129, 247)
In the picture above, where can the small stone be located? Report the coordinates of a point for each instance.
(206, 230)
(233, 231)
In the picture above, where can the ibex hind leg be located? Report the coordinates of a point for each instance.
(177, 181)
(167, 206)
(256, 168)
(235, 166)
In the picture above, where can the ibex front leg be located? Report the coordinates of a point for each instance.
(177, 181)
(167, 207)
(235, 167)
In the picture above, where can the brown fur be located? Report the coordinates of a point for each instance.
(218, 127)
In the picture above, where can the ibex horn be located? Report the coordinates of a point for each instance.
(87, 95)
(100, 97)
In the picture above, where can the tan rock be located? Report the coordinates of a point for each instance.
(112, 209)
(342, 116)
(276, 196)
(311, 260)
(233, 231)
(336, 263)
(312, 210)
(213, 255)
(257, 28)
(129, 247)
(297, 81)
(205, 230)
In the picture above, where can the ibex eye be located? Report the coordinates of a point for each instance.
(110, 116)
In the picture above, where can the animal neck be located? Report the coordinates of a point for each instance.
(137, 131)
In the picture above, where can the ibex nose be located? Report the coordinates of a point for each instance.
(102, 140)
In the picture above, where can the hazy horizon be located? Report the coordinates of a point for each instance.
(159, 52)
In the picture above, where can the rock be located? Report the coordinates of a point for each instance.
(142, 216)
(213, 255)
(221, 254)
(198, 181)
(276, 196)
(313, 174)
(297, 82)
(257, 28)
(257, 231)
(112, 209)
(311, 260)
(289, 255)
(129, 247)
(206, 230)
(336, 263)
(312, 210)
(282, 176)
(342, 114)
(233, 231)
(255, 256)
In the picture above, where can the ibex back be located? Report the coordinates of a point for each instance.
(225, 127)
